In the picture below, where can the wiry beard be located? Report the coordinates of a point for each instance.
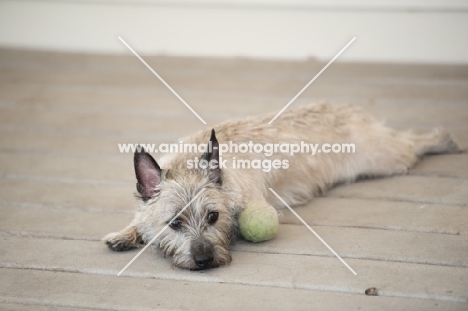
(222, 257)
(180, 250)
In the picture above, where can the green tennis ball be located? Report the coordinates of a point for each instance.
(258, 222)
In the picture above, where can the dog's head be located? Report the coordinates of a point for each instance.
(199, 218)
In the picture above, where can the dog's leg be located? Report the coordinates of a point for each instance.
(401, 149)
(435, 142)
(124, 240)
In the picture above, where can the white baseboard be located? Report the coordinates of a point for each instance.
(386, 31)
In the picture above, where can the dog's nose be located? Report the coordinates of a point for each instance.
(204, 260)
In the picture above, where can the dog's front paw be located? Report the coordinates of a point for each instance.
(119, 242)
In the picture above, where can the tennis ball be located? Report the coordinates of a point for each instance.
(258, 222)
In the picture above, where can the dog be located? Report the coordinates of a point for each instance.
(201, 236)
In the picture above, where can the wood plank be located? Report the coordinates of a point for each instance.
(32, 287)
(21, 305)
(213, 104)
(150, 102)
(85, 143)
(422, 189)
(413, 115)
(271, 270)
(372, 244)
(343, 89)
(140, 76)
(42, 221)
(79, 142)
(358, 243)
(48, 60)
(381, 214)
(70, 194)
(119, 167)
(443, 165)
(96, 122)
(376, 212)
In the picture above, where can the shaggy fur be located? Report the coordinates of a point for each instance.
(198, 242)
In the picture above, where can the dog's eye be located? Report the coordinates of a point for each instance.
(212, 217)
(175, 224)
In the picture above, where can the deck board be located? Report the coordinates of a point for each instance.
(63, 185)
(394, 279)
(92, 291)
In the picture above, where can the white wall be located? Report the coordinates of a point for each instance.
(387, 31)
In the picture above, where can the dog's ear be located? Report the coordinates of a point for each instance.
(148, 174)
(212, 156)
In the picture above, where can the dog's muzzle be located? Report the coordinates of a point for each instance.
(203, 255)
(203, 261)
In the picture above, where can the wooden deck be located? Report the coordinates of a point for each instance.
(64, 185)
